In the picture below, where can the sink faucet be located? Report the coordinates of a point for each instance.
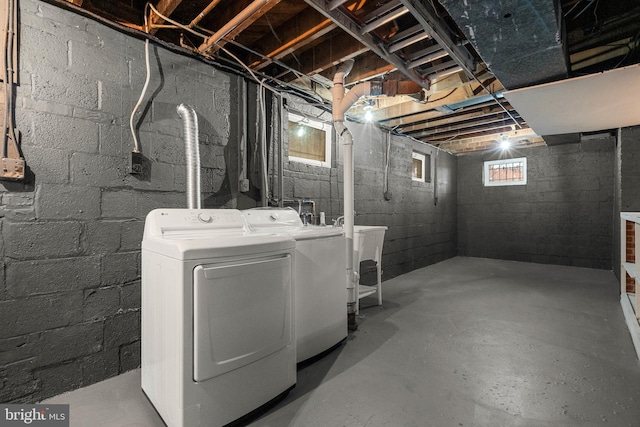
(339, 222)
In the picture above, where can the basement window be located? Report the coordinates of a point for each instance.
(309, 141)
(505, 172)
(420, 167)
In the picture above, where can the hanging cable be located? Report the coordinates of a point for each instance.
(9, 128)
(136, 143)
(263, 142)
(6, 80)
(13, 165)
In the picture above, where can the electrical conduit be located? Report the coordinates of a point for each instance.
(192, 153)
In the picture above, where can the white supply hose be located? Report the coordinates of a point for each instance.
(136, 143)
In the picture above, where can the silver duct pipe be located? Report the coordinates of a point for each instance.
(192, 154)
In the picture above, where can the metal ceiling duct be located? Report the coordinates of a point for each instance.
(519, 40)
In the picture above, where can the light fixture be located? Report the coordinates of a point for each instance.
(368, 116)
(300, 131)
(505, 144)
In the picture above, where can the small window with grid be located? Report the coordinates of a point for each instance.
(505, 172)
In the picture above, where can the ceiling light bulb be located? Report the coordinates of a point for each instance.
(368, 116)
(300, 131)
(505, 143)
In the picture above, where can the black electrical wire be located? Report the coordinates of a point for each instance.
(442, 97)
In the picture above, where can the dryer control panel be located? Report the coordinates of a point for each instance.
(168, 222)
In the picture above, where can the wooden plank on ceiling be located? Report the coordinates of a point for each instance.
(494, 128)
(367, 66)
(325, 55)
(465, 126)
(410, 108)
(296, 33)
(439, 116)
(242, 25)
(441, 120)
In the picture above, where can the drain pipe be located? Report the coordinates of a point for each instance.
(341, 103)
(192, 154)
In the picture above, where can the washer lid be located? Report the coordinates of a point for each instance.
(219, 246)
(304, 232)
(266, 217)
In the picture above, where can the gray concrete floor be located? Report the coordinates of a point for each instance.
(466, 342)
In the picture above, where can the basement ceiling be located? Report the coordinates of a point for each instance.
(464, 54)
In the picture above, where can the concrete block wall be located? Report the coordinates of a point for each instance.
(564, 215)
(421, 231)
(627, 177)
(70, 235)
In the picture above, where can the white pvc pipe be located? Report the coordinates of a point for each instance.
(341, 103)
(349, 210)
(192, 154)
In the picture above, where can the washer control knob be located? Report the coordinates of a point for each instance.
(273, 217)
(203, 217)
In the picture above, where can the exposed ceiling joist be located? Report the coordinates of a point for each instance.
(434, 43)
(427, 16)
(293, 36)
(237, 22)
(166, 8)
(354, 30)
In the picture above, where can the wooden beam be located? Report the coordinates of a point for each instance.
(466, 126)
(325, 55)
(483, 111)
(586, 58)
(368, 65)
(496, 127)
(395, 115)
(302, 29)
(165, 7)
(236, 24)
(521, 138)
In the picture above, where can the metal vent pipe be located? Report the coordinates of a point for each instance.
(192, 154)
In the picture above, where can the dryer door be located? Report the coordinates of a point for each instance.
(241, 313)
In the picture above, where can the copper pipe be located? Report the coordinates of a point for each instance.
(231, 25)
(204, 13)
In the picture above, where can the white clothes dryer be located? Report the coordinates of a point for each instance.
(217, 320)
(320, 278)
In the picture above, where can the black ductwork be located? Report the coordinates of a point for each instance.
(519, 40)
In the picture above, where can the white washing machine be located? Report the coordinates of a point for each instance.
(217, 319)
(320, 278)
